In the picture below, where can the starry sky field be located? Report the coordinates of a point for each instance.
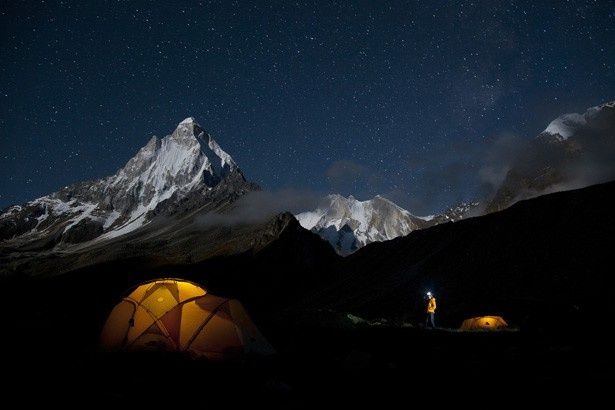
(402, 99)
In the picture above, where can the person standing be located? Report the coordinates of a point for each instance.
(430, 321)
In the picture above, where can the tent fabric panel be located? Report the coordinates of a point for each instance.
(142, 320)
(182, 290)
(116, 327)
(160, 301)
(192, 317)
(467, 324)
(219, 336)
(188, 290)
(139, 292)
(151, 340)
(153, 287)
(172, 287)
(208, 305)
(172, 322)
(155, 329)
(210, 302)
(251, 337)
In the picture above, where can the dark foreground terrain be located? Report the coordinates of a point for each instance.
(544, 264)
(325, 368)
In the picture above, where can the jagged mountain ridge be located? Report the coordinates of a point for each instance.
(349, 224)
(177, 174)
(180, 168)
(574, 151)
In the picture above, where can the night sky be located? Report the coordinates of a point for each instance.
(403, 99)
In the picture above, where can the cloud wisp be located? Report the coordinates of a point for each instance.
(259, 206)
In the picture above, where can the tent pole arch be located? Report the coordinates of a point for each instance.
(205, 322)
(158, 322)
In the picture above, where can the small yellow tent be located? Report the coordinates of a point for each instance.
(177, 315)
(484, 323)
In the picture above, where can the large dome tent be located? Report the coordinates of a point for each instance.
(178, 315)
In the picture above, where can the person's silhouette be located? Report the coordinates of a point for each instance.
(430, 321)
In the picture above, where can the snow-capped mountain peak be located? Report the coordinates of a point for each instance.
(349, 224)
(574, 151)
(567, 125)
(186, 162)
(564, 127)
(189, 120)
(179, 162)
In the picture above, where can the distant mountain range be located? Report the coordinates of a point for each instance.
(348, 224)
(537, 263)
(575, 150)
(155, 202)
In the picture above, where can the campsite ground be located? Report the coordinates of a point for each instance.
(325, 368)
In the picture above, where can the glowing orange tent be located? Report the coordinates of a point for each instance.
(177, 315)
(484, 323)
